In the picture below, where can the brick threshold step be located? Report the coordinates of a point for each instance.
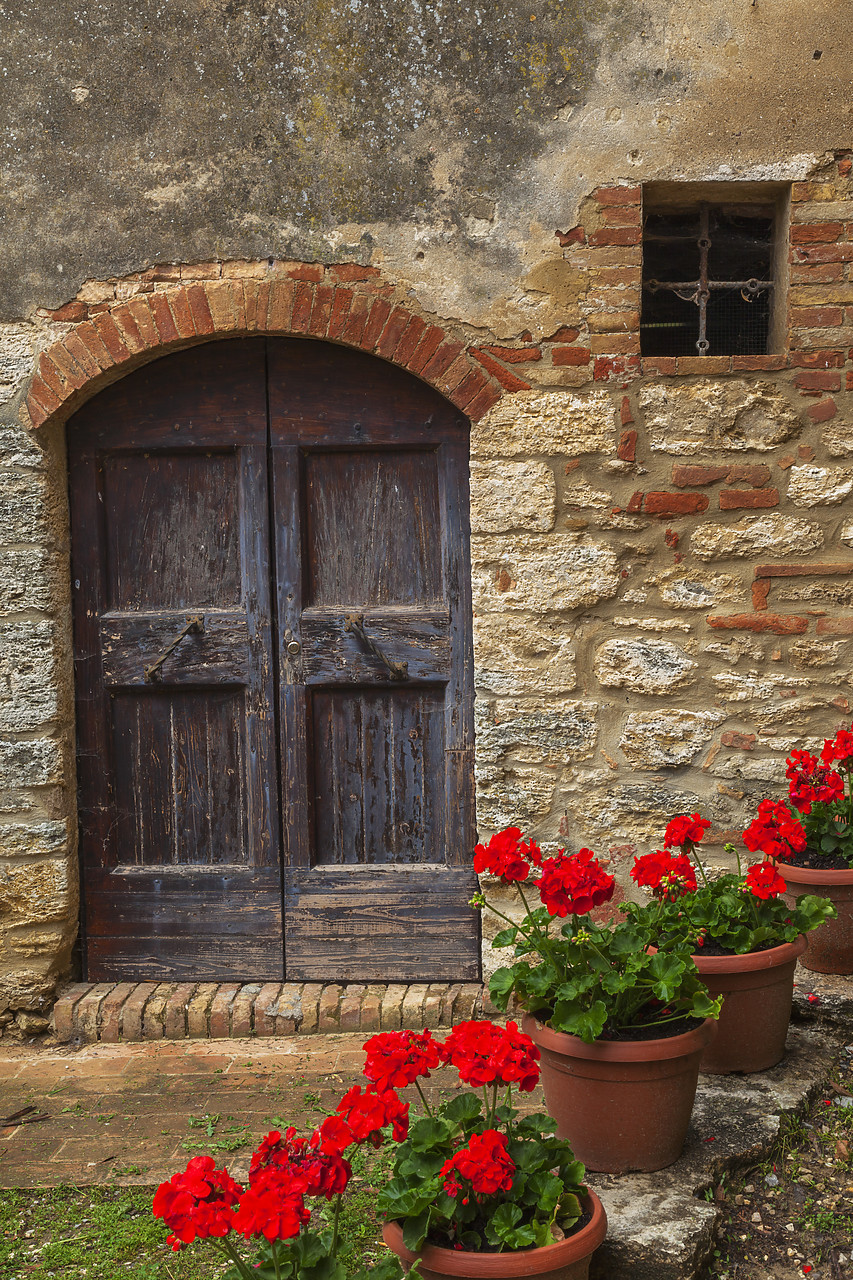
(86, 1012)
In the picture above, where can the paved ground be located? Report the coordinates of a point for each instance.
(135, 1112)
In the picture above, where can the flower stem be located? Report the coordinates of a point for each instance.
(275, 1259)
(236, 1259)
(336, 1222)
(423, 1098)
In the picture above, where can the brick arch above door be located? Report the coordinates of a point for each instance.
(346, 304)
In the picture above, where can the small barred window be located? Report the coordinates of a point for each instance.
(708, 280)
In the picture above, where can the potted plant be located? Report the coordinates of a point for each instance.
(821, 791)
(621, 1029)
(477, 1189)
(745, 937)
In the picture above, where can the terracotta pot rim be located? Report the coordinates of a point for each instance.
(811, 875)
(522, 1262)
(771, 958)
(693, 1041)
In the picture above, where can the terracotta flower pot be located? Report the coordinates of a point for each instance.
(829, 948)
(565, 1260)
(623, 1105)
(758, 989)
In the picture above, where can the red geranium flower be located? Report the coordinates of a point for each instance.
(507, 855)
(300, 1166)
(483, 1052)
(368, 1113)
(775, 832)
(764, 881)
(396, 1058)
(268, 1210)
(810, 783)
(668, 875)
(197, 1202)
(574, 884)
(685, 830)
(838, 748)
(484, 1162)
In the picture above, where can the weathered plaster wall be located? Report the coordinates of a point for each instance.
(661, 550)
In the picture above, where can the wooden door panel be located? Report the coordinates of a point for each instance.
(376, 755)
(365, 925)
(331, 654)
(177, 768)
(387, 504)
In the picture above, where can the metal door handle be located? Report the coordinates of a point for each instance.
(354, 622)
(195, 622)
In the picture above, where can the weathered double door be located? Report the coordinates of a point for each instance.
(274, 673)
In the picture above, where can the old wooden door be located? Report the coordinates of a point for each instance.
(289, 789)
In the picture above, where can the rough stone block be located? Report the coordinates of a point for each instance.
(311, 993)
(733, 415)
(17, 354)
(33, 763)
(19, 448)
(295, 1007)
(755, 535)
(550, 422)
(645, 666)
(512, 495)
(541, 573)
(29, 676)
(35, 892)
(819, 486)
(523, 653)
(432, 1005)
(667, 739)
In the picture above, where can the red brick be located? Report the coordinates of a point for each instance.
(815, 232)
(220, 299)
(257, 303)
(357, 319)
(844, 166)
(483, 402)
(220, 1009)
(848, 381)
(801, 570)
(576, 235)
(570, 355)
(264, 1015)
(111, 337)
(741, 363)
(394, 329)
(37, 413)
(615, 235)
(618, 195)
(659, 364)
(823, 411)
(778, 623)
(516, 355)
(760, 592)
(748, 499)
(321, 309)
(743, 741)
(67, 365)
(346, 272)
(241, 1010)
(471, 385)
(376, 322)
(690, 474)
(604, 277)
(175, 1013)
(616, 368)
(163, 318)
(662, 505)
(340, 312)
(41, 392)
(303, 306)
(310, 272)
(705, 366)
(442, 359)
(429, 343)
(626, 416)
(612, 344)
(841, 252)
(81, 355)
(179, 302)
(835, 626)
(110, 1012)
(805, 452)
(816, 317)
(197, 299)
(565, 333)
(816, 273)
(70, 311)
(819, 380)
(410, 339)
(816, 359)
(621, 215)
(455, 375)
(280, 306)
(626, 450)
(133, 1011)
(509, 381)
(59, 385)
(63, 1010)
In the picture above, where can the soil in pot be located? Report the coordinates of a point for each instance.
(566, 1259)
(624, 1105)
(829, 948)
(758, 988)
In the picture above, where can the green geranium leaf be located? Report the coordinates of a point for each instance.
(415, 1231)
(461, 1109)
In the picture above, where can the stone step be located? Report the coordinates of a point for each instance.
(133, 1011)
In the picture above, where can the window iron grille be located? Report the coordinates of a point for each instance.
(700, 291)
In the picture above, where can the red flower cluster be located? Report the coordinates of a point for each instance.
(775, 833)
(764, 881)
(484, 1162)
(313, 1167)
(668, 875)
(197, 1202)
(685, 830)
(574, 884)
(396, 1058)
(270, 1211)
(839, 748)
(507, 855)
(810, 783)
(483, 1053)
(367, 1113)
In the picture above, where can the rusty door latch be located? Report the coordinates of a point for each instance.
(354, 622)
(195, 623)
